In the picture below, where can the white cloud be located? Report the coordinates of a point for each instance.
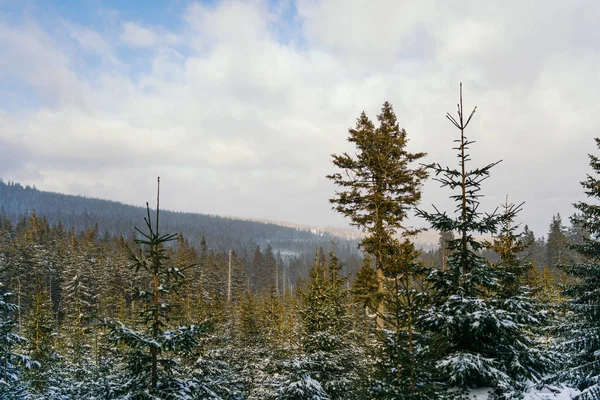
(137, 36)
(32, 56)
(236, 22)
(240, 122)
(93, 42)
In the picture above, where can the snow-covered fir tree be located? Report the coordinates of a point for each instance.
(478, 337)
(298, 383)
(524, 358)
(12, 363)
(152, 356)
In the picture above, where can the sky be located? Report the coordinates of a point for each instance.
(238, 105)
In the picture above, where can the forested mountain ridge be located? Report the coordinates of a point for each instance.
(115, 218)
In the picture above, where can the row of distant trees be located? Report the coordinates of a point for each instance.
(542, 253)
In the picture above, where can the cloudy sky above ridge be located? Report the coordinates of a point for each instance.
(238, 105)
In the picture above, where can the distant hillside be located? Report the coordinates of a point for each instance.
(114, 218)
(426, 240)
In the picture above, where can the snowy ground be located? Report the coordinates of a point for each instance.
(548, 392)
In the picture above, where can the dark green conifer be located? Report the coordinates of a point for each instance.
(153, 356)
(476, 337)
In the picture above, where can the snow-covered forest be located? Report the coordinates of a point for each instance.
(494, 312)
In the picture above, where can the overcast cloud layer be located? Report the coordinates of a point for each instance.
(238, 105)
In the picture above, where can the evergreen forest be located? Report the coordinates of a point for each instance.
(99, 300)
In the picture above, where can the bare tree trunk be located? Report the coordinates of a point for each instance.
(284, 281)
(229, 280)
(366, 324)
(188, 302)
(277, 279)
(380, 307)
(155, 302)
(19, 303)
(153, 349)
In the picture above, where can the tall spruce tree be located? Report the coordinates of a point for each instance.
(379, 187)
(581, 333)
(556, 245)
(472, 332)
(78, 297)
(39, 324)
(258, 281)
